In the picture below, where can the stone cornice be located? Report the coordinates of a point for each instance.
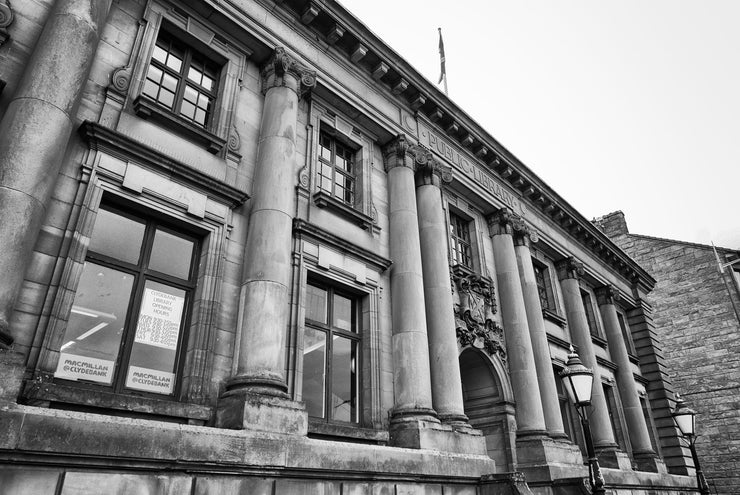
(302, 227)
(280, 65)
(386, 68)
(103, 138)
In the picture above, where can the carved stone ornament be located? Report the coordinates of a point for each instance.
(606, 294)
(474, 315)
(6, 19)
(427, 167)
(120, 79)
(505, 221)
(282, 64)
(569, 268)
(396, 152)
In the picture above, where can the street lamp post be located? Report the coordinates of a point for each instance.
(578, 383)
(685, 419)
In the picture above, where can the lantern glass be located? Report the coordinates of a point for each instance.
(579, 385)
(686, 421)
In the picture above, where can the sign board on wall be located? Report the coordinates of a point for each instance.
(74, 367)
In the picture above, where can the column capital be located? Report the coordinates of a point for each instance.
(282, 64)
(398, 153)
(505, 221)
(569, 268)
(429, 171)
(524, 235)
(606, 294)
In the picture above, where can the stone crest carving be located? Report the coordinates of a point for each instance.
(474, 315)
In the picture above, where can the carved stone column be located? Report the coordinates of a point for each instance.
(522, 369)
(261, 368)
(412, 388)
(523, 236)
(642, 449)
(447, 396)
(569, 272)
(35, 131)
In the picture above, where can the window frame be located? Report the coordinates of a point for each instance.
(352, 149)
(141, 273)
(455, 221)
(614, 410)
(189, 53)
(587, 298)
(354, 337)
(229, 54)
(626, 332)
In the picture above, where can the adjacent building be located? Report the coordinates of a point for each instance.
(247, 248)
(696, 302)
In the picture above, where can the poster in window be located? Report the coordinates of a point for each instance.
(159, 319)
(74, 367)
(150, 380)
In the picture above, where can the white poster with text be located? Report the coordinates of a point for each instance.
(159, 319)
(73, 367)
(160, 382)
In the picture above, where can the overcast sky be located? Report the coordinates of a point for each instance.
(631, 105)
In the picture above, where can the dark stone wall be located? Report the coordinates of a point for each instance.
(698, 327)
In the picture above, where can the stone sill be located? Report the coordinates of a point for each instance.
(345, 432)
(83, 397)
(325, 200)
(552, 316)
(149, 109)
(599, 341)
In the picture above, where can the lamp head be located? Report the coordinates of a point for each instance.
(577, 380)
(685, 418)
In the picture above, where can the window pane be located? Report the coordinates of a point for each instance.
(187, 110)
(174, 62)
(153, 355)
(342, 313)
(316, 307)
(343, 379)
(190, 94)
(200, 117)
(314, 367)
(93, 335)
(169, 83)
(159, 54)
(207, 83)
(155, 74)
(117, 236)
(166, 98)
(150, 89)
(171, 254)
(194, 75)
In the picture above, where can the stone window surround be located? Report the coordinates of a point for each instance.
(193, 402)
(452, 207)
(323, 118)
(614, 404)
(200, 37)
(556, 314)
(597, 333)
(325, 258)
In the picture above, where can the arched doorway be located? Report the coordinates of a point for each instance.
(489, 407)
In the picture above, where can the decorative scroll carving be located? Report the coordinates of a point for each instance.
(569, 268)
(427, 168)
(606, 294)
(120, 79)
(235, 141)
(6, 19)
(282, 64)
(474, 315)
(505, 221)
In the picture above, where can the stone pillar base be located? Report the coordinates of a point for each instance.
(241, 410)
(613, 458)
(650, 462)
(432, 435)
(12, 367)
(544, 460)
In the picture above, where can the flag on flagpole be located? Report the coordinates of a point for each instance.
(443, 72)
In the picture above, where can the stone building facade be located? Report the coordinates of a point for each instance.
(696, 314)
(246, 248)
